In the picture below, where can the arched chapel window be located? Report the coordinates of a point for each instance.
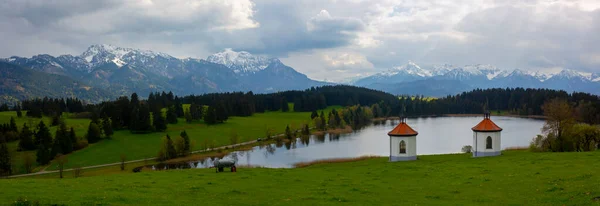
(488, 142)
(402, 147)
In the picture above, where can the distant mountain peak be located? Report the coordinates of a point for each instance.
(241, 62)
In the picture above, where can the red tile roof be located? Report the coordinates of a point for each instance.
(486, 125)
(402, 130)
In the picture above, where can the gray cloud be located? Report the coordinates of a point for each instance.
(361, 36)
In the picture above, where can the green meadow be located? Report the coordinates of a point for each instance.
(515, 178)
(140, 146)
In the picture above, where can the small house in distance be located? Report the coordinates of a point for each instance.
(486, 138)
(403, 142)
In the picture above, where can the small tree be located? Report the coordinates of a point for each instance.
(94, 133)
(13, 125)
(43, 136)
(19, 112)
(179, 144)
(61, 160)
(313, 114)
(210, 117)
(167, 150)
(288, 132)
(107, 127)
(26, 139)
(123, 159)
(42, 155)
(186, 141)
(306, 130)
(73, 138)
(55, 119)
(560, 119)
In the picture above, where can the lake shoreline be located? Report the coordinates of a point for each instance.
(462, 115)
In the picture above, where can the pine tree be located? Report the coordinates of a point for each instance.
(19, 112)
(43, 155)
(134, 119)
(43, 136)
(211, 115)
(158, 121)
(13, 125)
(73, 138)
(171, 152)
(306, 130)
(94, 133)
(314, 114)
(221, 112)
(56, 120)
(288, 132)
(171, 115)
(178, 108)
(186, 140)
(135, 101)
(26, 139)
(56, 149)
(64, 139)
(5, 159)
(107, 127)
(196, 111)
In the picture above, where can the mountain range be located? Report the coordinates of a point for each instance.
(115, 71)
(104, 72)
(441, 80)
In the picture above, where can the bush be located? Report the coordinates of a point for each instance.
(467, 149)
(542, 143)
(82, 143)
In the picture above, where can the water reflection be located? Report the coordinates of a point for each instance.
(437, 135)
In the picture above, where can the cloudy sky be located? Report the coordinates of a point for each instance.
(325, 39)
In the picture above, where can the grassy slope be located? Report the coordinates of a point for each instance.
(139, 146)
(516, 178)
(80, 126)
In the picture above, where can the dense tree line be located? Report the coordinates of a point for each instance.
(316, 98)
(513, 100)
(50, 106)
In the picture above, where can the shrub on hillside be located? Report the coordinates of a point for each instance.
(467, 149)
(82, 143)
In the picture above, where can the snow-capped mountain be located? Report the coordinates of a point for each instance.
(477, 76)
(242, 62)
(126, 70)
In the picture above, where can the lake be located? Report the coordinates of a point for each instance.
(437, 135)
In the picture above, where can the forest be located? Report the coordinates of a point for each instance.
(518, 101)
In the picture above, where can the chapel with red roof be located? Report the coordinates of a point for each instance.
(403, 142)
(486, 138)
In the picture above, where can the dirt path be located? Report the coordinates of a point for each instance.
(43, 171)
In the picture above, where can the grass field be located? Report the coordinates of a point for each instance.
(79, 125)
(515, 178)
(139, 146)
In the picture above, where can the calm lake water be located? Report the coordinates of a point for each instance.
(437, 135)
